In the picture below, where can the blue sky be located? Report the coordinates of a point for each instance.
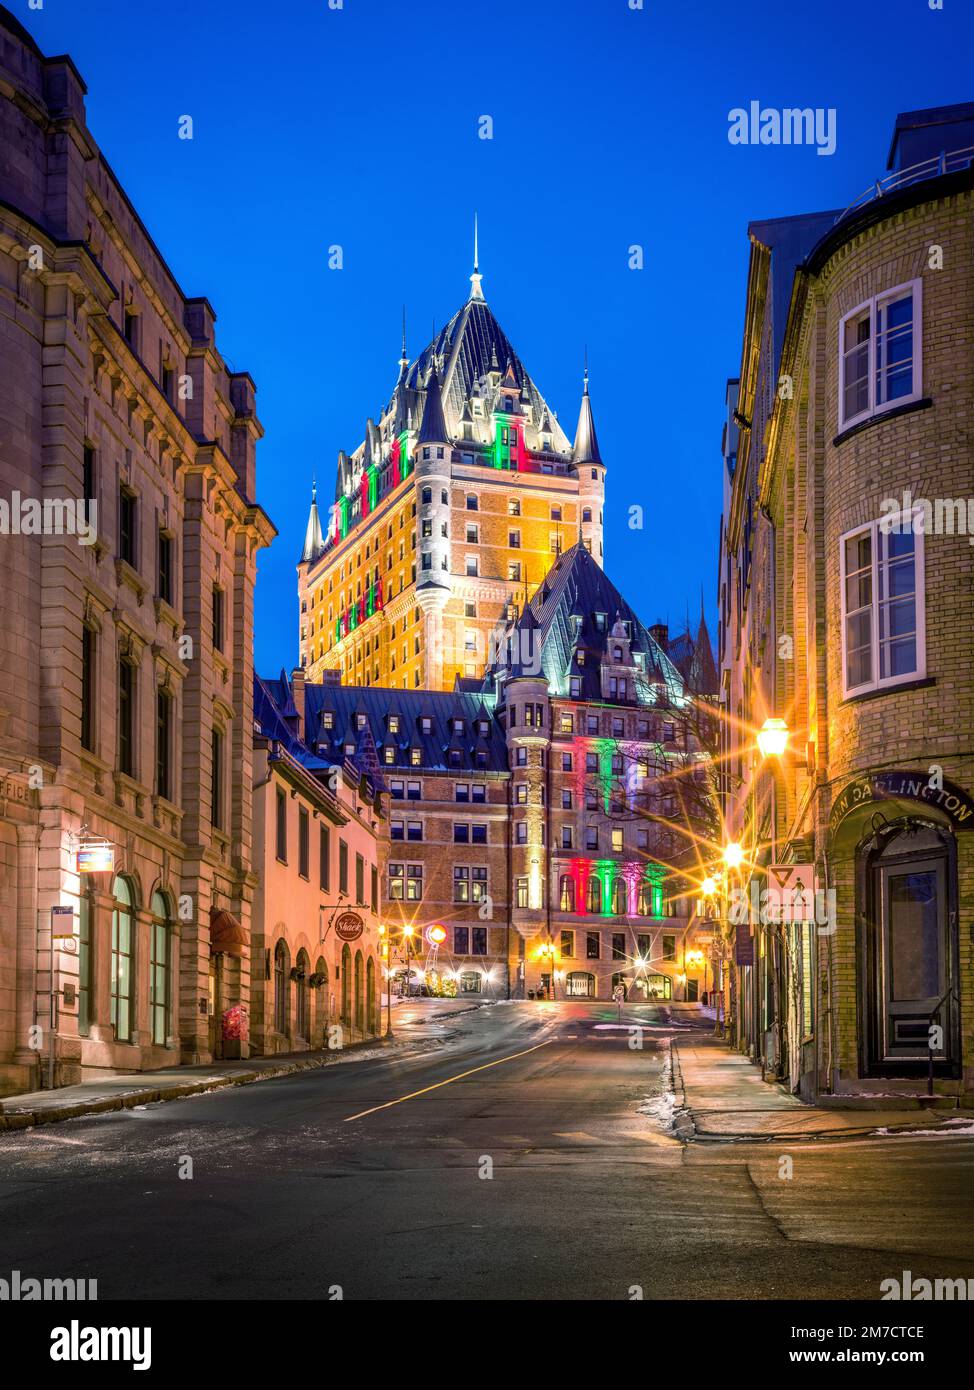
(359, 126)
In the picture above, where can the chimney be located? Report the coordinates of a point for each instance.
(660, 634)
(297, 694)
(332, 677)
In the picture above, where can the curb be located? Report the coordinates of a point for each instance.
(683, 1124)
(13, 1119)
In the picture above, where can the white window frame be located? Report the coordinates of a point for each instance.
(915, 287)
(878, 529)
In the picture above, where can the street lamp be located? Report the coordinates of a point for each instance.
(773, 738)
(733, 855)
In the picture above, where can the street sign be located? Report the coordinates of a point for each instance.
(349, 926)
(743, 946)
(62, 922)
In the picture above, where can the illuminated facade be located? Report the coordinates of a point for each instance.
(539, 813)
(454, 505)
(126, 659)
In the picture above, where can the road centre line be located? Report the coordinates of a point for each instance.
(437, 1084)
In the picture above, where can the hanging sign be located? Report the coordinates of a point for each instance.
(349, 926)
(435, 934)
(95, 857)
(62, 922)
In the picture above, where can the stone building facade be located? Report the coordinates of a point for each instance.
(452, 507)
(319, 830)
(848, 602)
(126, 666)
(539, 816)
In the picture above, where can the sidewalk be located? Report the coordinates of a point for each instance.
(124, 1092)
(726, 1099)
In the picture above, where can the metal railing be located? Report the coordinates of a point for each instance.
(942, 163)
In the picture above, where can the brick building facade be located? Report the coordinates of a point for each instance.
(125, 652)
(846, 601)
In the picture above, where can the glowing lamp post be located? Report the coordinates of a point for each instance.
(773, 738)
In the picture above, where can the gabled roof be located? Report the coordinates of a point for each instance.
(276, 718)
(560, 618)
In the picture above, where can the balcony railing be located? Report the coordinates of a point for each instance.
(928, 169)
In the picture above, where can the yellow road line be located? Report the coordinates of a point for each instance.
(436, 1085)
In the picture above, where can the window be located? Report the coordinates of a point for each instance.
(470, 565)
(282, 986)
(88, 474)
(304, 834)
(669, 948)
(160, 971)
(566, 800)
(566, 762)
(343, 867)
(514, 571)
(617, 841)
(127, 521)
(217, 618)
(478, 941)
(360, 880)
(415, 757)
(374, 886)
(406, 882)
(412, 791)
(566, 837)
(121, 967)
(566, 893)
(513, 506)
(130, 328)
(414, 830)
(568, 943)
(566, 722)
(164, 744)
(165, 567)
(521, 892)
(591, 837)
(880, 363)
(592, 945)
(883, 608)
(478, 834)
(88, 649)
(521, 833)
(126, 718)
(281, 850)
(618, 945)
(521, 794)
(216, 798)
(85, 963)
(461, 941)
(473, 533)
(556, 514)
(324, 859)
(514, 540)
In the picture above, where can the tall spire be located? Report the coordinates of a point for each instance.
(403, 359)
(313, 540)
(432, 430)
(586, 449)
(475, 291)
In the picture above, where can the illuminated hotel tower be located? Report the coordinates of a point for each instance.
(450, 511)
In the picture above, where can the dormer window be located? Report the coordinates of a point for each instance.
(575, 687)
(393, 723)
(426, 724)
(617, 654)
(327, 719)
(508, 405)
(415, 757)
(600, 619)
(389, 754)
(483, 727)
(360, 721)
(458, 726)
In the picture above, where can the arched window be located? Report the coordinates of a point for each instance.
(567, 893)
(359, 992)
(619, 898)
(302, 1014)
(160, 971)
(346, 985)
(281, 988)
(122, 951)
(594, 894)
(645, 900)
(586, 514)
(370, 999)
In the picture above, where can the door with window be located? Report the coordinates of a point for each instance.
(910, 954)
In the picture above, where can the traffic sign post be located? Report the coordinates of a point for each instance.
(62, 927)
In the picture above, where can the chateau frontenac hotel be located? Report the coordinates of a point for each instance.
(461, 642)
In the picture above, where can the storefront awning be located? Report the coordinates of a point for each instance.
(227, 936)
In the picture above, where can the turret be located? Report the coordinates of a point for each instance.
(528, 731)
(433, 586)
(590, 469)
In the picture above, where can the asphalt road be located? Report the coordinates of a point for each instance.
(503, 1158)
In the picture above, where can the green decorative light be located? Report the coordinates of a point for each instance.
(343, 517)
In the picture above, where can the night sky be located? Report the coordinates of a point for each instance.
(359, 127)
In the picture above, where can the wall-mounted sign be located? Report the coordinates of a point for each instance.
(743, 946)
(95, 857)
(349, 926)
(956, 804)
(435, 934)
(62, 922)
